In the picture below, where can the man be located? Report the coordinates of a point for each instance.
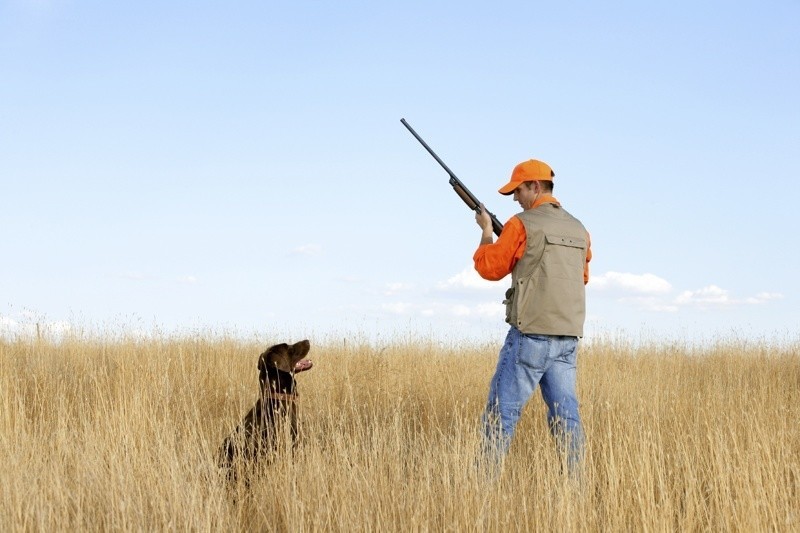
(547, 252)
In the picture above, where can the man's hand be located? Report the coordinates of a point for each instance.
(485, 222)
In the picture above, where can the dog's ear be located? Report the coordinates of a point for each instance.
(262, 369)
(269, 358)
(277, 356)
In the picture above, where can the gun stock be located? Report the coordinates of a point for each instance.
(458, 186)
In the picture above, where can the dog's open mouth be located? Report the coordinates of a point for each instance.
(303, 365)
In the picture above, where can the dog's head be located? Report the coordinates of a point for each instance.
(285, 359)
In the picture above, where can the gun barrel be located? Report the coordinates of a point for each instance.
(428, 148)
(470, 199)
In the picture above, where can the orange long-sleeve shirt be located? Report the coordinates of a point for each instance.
(495, 261)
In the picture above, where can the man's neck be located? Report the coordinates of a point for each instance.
(543, 198)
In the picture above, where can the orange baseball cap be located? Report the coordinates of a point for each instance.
(530, 170)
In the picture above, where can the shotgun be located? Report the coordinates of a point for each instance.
(461, 189)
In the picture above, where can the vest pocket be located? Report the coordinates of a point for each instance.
(509, 303)
(525, 303)
(563, 255)
(573, 242)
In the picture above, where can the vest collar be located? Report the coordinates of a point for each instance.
(545, 199)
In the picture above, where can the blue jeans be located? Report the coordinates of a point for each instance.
(525, 362)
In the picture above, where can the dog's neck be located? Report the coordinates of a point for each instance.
(280, 385)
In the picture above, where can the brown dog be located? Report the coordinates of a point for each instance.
(257, 434)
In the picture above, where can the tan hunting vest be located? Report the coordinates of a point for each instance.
(547, 294)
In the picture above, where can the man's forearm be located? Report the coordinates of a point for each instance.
(488, 236)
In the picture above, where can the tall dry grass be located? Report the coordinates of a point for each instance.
(116, 433)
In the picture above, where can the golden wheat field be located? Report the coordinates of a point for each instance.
(116, 433)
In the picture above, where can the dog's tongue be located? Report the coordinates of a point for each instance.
(303, 365)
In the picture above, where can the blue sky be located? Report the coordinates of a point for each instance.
(241, 166)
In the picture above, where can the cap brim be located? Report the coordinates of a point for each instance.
(508, 188)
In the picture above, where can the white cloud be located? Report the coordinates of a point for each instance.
(307, 250)
(29, 324)
(630, 283)
(397, 287)
(397, 308)
(462, 296)
(711, 295)
(189, 280)
(763, 297)
(432, 309)
(641, 292)
(466, 279)
(473, 310)
(649, 292)
(650, 303)
(460, 310)
(716, 297)
(489, 310)
(478, 310)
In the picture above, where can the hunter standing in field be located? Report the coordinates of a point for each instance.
(547, 252)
